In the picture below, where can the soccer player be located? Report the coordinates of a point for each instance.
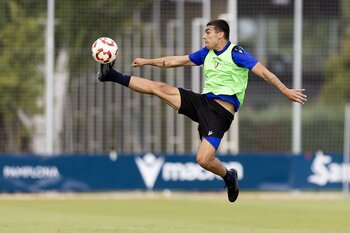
(226, 68)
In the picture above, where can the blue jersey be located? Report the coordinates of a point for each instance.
(239, 56)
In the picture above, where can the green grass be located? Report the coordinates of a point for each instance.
(179, 214)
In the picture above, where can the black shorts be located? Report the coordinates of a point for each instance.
(213, 119)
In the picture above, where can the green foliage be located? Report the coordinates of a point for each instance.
(22, 24)
(322, 129)
(21, 41)
(336, 89)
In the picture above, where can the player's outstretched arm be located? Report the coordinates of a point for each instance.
(295, 95)
(164, 62)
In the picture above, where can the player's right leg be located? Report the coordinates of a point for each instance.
(167, 93)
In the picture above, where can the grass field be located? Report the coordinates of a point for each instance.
(176, 213)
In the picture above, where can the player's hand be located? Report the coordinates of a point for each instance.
(138, 62)
(297, 95)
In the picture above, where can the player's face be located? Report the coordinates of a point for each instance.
(211, 37)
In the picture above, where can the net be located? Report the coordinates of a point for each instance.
(93, 117)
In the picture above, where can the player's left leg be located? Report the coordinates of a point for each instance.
(206, 158)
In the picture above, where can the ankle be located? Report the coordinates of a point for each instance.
(227, 177)
(118, 77)
(115, 76)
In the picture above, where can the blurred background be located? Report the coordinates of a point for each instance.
(89, 117)
(64, 132)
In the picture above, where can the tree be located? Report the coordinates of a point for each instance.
(336, 88)
(21, 86)
(78, 24)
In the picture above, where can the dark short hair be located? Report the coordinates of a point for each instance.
(221, 25)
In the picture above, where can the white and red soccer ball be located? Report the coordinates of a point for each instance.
(104, 50)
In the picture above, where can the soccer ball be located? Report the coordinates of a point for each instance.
(104, 50)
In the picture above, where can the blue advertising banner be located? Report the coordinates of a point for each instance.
(182, 172)
(319, 171)
(30, 173)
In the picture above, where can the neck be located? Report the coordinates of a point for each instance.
(221, 45)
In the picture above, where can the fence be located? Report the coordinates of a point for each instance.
(93, 117)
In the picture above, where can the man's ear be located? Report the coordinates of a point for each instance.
(221, 35)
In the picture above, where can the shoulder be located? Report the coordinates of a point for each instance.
(203, 51)
(198, 57)
(243, 58)
(238, 49)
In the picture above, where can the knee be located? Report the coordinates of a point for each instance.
(203, 161)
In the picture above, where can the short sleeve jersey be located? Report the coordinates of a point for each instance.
(239, 56)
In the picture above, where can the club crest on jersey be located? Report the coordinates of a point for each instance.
(216, 60)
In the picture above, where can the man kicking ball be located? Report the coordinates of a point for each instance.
(226, 68)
